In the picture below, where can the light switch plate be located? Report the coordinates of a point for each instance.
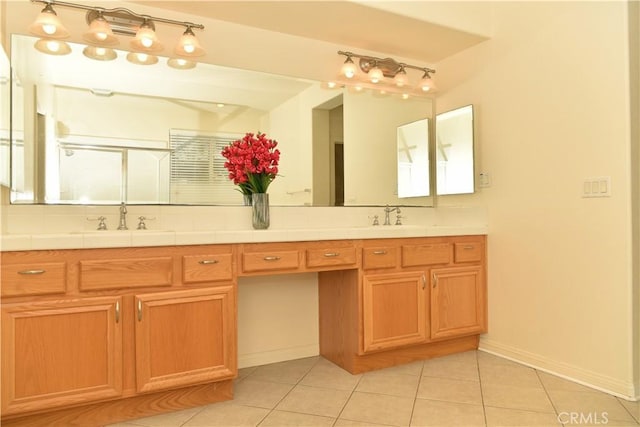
(597, 187)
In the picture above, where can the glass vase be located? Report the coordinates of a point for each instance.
(260, 209)
(246, 199)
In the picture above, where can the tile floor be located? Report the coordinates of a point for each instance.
(467, 389)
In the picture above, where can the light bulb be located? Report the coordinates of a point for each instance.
(349, 69)
(375, 74)
(100, 32)
(50, 29)
(146, 39)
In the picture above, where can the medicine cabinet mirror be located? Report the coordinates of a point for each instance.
(413, 159)
(454, 151)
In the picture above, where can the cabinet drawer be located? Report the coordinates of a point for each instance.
(34, 279)
(467, 252)
(331, 256)
(206, 268)
(125, 273)
(379, 257)
(270, 261)
(427, 254)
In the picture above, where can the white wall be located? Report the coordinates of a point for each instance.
(551, 92)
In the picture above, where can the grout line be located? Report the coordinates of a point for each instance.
(484, 408)
(348, 399)
(289, 392)
(415, 397)
(555, 409)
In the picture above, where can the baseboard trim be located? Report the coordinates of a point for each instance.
(279, 355)
(599, 382)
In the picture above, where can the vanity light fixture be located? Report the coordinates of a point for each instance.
(385, 75)
(104, 24)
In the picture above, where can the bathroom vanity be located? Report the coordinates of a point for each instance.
(98, 335)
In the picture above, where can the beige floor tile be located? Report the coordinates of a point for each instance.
(283, 418)
(244, 372)
(501, 417)
(590, 403)
(509, 374)
(327, 375)
(170, 419)
(389, 384)
(315, 401)
(262, 394)
(413, 368)
(351, 423)
(515, 397)
(486, 359)
(632, 407)
(552, 382)
(451, 368)
(289, 372)
(464, 357)
(227, 414)
(450, 390)
(442, 414)
(378, 408)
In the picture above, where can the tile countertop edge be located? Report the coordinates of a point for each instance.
(78, 240)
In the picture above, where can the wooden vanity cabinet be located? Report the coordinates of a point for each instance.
(185, 337)
(135, 327)
(420, 290)
(61, 352)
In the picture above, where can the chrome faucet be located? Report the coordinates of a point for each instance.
(387, 211)
(123, 217)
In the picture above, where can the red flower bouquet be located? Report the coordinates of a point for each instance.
(252, 162)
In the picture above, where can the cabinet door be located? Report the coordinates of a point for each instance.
(393, 310)
(458, 304)
(60, 353)
(185, 337)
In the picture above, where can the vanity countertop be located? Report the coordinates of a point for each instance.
(137, 238)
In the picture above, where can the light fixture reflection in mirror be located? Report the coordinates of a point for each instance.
(140, 58)
(454, 151)
(180, 63)
(99, 53)
(52, 47)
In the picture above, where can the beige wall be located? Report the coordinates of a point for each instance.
(551, 91)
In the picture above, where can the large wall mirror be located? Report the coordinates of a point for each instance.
(98, 132)
(454, 151)
(5, 117)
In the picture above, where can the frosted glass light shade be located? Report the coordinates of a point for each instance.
(48, 25)
(181, 63)
(375, 75)
(100, 33)
(427, 84)
(100, 53)
(52, 47)
(188, 45)
(142, 58)
(146, 40)
(349, 69)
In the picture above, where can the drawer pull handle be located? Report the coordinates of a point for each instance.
(139, 311)
(271, 258)
(117, 311)
(435, 280)
(31, 272)
(208, 261)
(332, 254)
(468, 247)
(424, 281)
(382, 252)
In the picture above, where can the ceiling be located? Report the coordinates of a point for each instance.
(343, 23)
